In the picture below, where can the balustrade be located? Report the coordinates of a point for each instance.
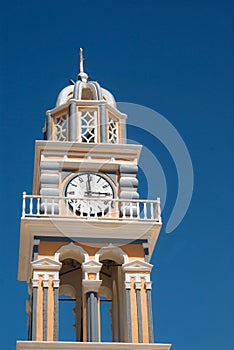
(117, 209)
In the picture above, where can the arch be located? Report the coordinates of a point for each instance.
(112, 252)
(73, 251)
(67, 290)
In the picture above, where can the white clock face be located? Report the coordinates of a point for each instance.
(94, 193)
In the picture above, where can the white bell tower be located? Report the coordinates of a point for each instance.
(85, 233)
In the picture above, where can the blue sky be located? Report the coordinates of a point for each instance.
(175, 57)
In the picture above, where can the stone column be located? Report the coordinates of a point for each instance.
(103, 123)
(45, 307)
(56, 308)
(138, 285)
(128, 310)
(148, 286)
(49, 184)
(34, 308)
(90, 290)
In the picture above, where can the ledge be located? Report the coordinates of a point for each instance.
(47, 345)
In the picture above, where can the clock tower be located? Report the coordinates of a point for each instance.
(85, 234)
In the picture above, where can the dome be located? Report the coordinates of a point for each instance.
(85, 90)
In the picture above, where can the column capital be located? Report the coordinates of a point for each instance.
(45, 283)
(138, 284)
(148, 285)
(56, 283)
(127, 284)
(91, 285)
(35, 282)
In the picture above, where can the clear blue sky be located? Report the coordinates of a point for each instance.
(175, 57)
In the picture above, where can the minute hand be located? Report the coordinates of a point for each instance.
(99, 193)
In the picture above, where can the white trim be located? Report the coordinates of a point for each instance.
(91, 266)
(111, 247)
(46, 264)
(73, 247)
(51, 345)
(137, 265)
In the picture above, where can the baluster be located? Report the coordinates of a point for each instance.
(131, 210)
(59, 207)
(23, 204)
(31, 206)
(138, 210)
(73, 210)
(38, 205)
(110, 209)
(158, 212)
(45, 204)
(116, 204)
(124, 209)
(67, 207)
(145, 211)
(52, 207)
(151, 211)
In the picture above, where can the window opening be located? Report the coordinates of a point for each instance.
(112, 130)
(60, 128)
(88, 126)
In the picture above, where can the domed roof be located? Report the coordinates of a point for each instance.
(84, 89)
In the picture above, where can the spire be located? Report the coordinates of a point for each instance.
(82, 75)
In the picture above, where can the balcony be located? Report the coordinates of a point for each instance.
(112, 209)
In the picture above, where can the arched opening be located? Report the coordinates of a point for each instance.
(70, 300)
(112, 299)
(87, 94)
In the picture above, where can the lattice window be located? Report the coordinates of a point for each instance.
(112, 130)
(61, 128)
(88, 119)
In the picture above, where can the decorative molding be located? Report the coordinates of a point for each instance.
(73, 247)
(137, 266)
(111, 247)
(91, 285)
(46, 264)
(91, 266)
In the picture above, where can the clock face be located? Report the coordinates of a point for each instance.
(92, 194)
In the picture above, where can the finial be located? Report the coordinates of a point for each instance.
(83, 76)
(81, 61)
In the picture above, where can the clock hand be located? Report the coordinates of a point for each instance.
(99, 193)
(88, 186)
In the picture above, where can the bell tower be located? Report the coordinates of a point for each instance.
(85, 234)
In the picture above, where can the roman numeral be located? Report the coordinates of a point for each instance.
(105, 186)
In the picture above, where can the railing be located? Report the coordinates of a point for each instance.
(118, 209)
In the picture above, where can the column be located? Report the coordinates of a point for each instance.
(148, 286)
(45, 307)
(34, 308)
(139, 311)
(90, 290)
(103, 123)
(48, 130)
(128, 184)
(72, 135)
(128, 310)
(56, 309)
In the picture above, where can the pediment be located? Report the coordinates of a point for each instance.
(91, 266)
(46, 264)
(137, 266)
